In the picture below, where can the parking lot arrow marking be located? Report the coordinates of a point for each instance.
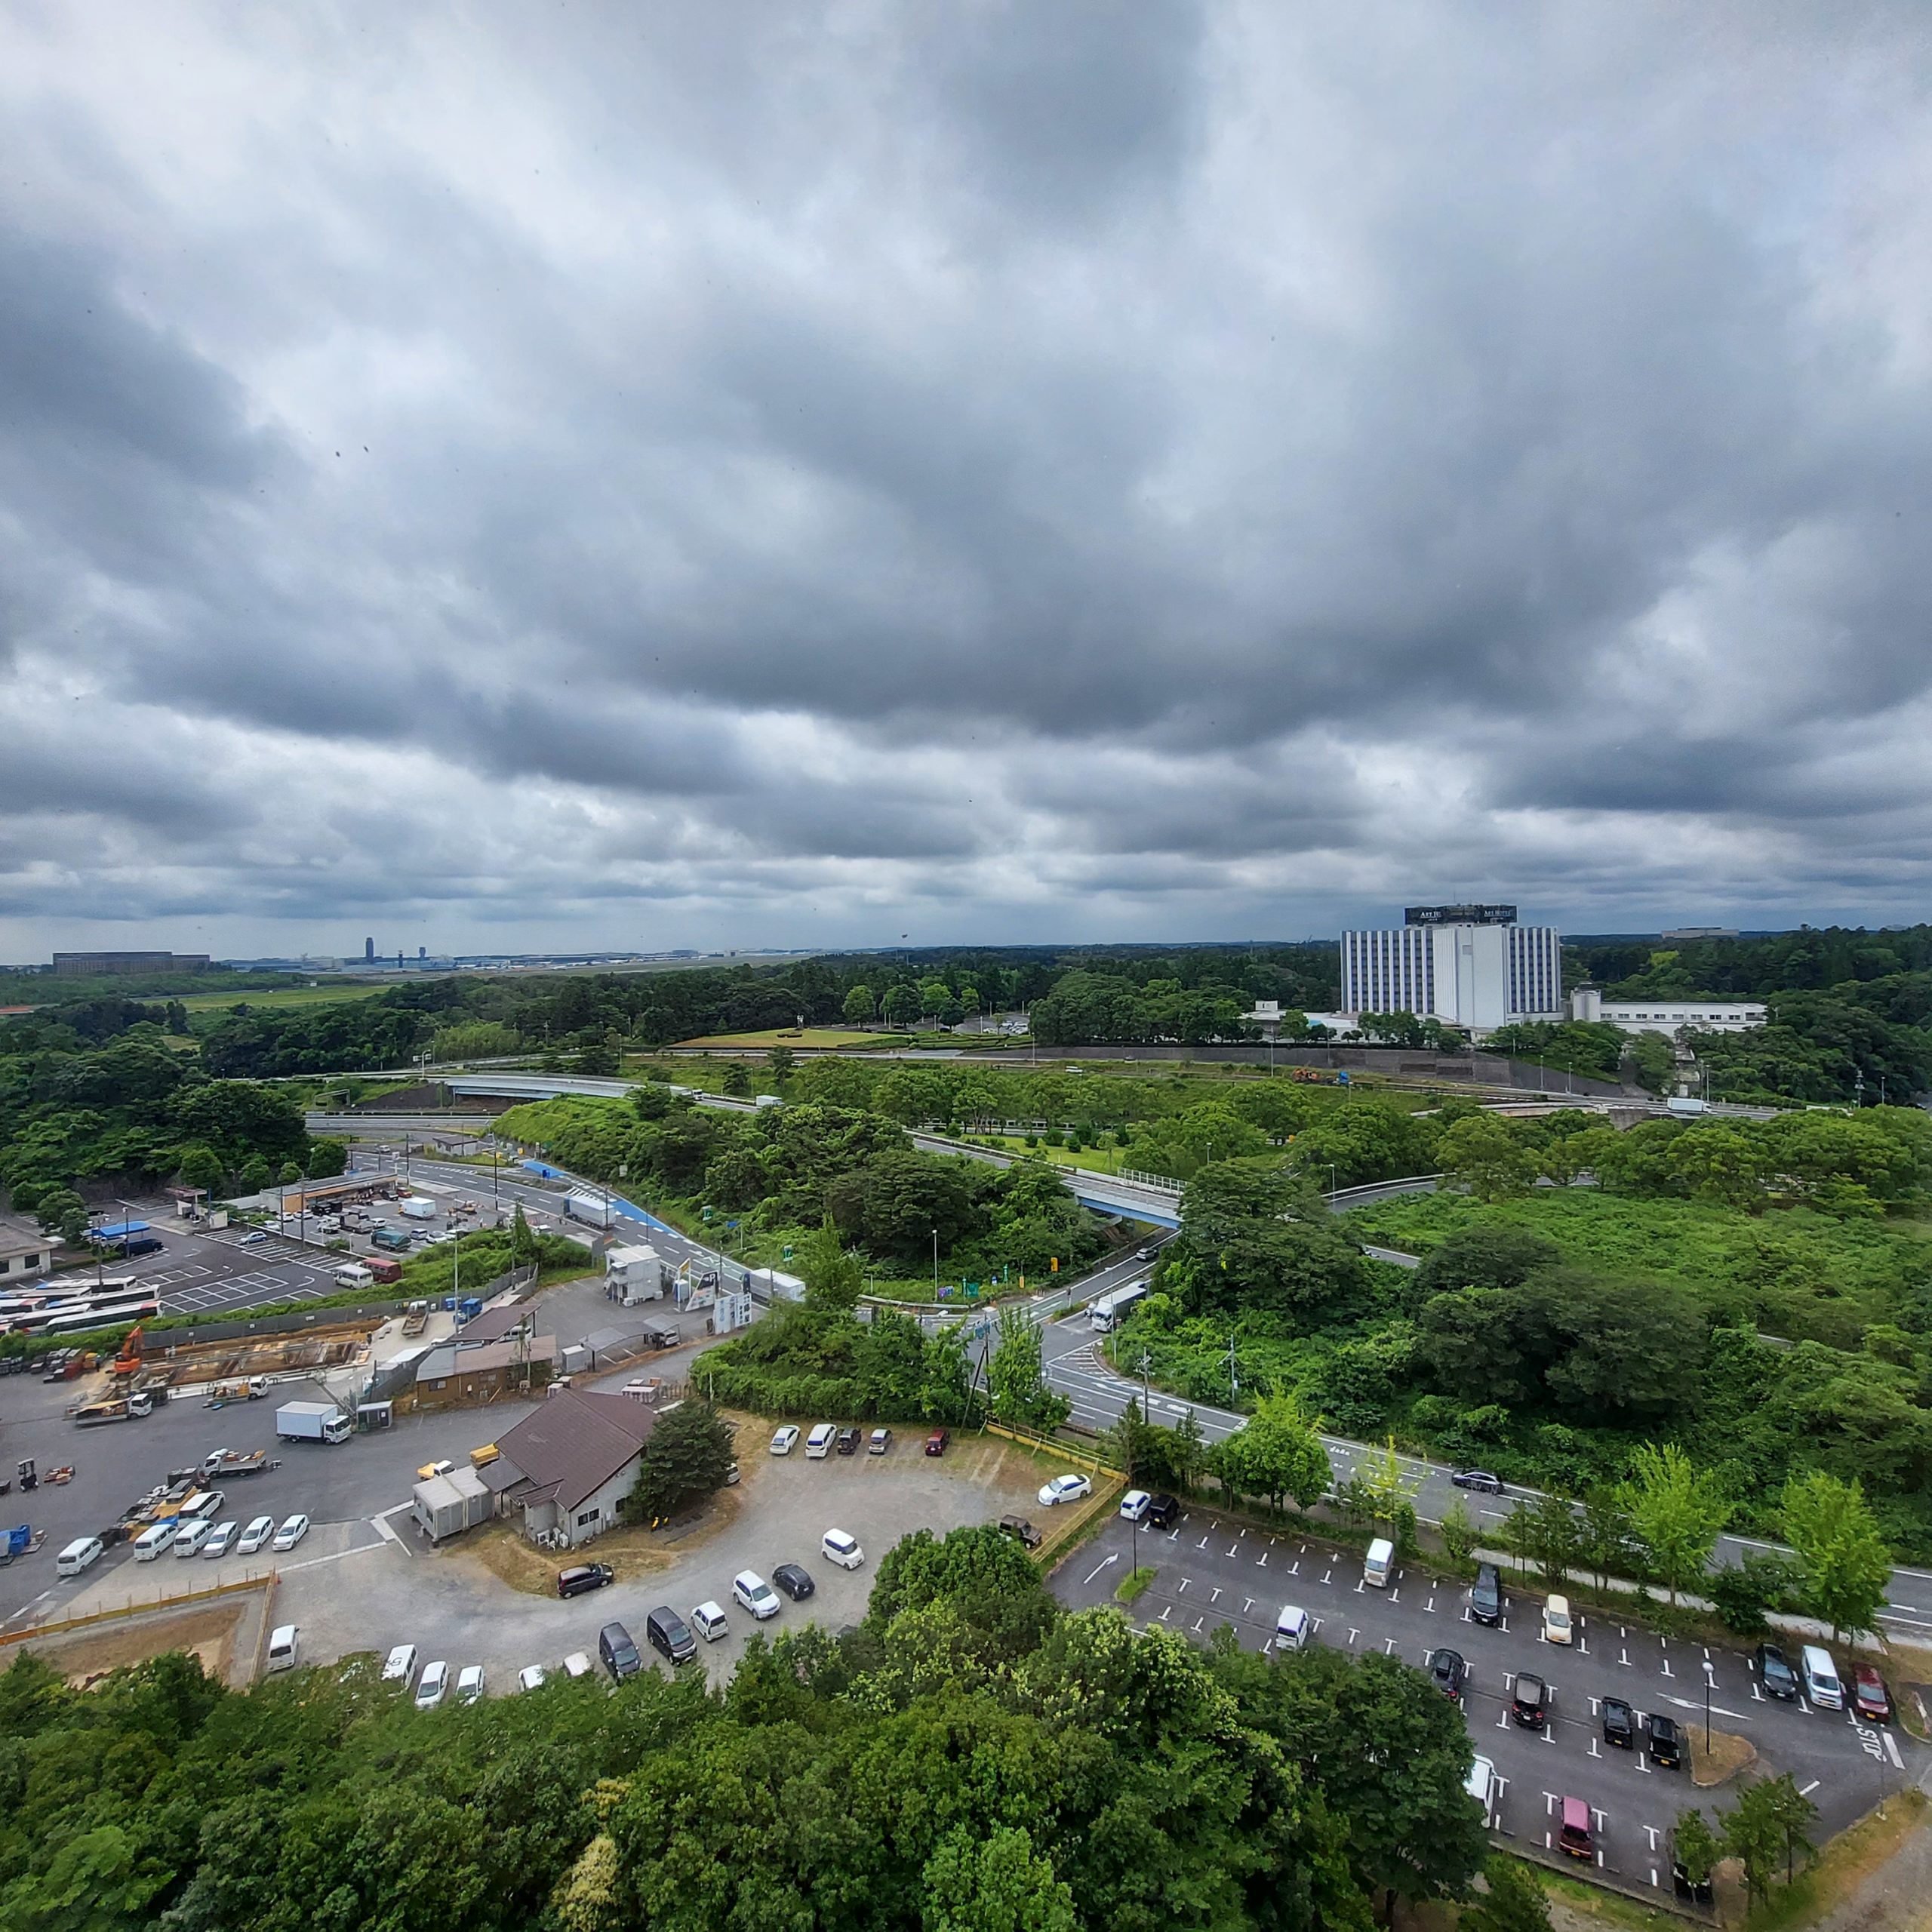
(1101, 1564)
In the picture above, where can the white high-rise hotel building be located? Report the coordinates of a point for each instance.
(1471, 965)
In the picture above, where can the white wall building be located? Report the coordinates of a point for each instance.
(25, 1252)
(1471, 966)
(1667, 1016)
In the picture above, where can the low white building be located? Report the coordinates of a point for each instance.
(1667, 1016)
(569, 1464)
(25, 1252)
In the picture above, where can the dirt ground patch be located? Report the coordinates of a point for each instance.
(85, 1656)
(1728, 1756)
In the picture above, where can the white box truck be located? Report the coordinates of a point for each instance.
(311, 1422)
(1107, 1313)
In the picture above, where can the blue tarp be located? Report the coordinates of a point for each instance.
(120, 1231)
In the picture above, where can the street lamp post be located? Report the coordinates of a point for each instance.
(935, 1265)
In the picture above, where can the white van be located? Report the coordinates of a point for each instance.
(285, 1642)
(78, 1554)
(1480, 1785)
(820, 1442)
(1293, 1628)
(354, 1275)
(152, 1542)
(1821, 1678)
(1379, 1565)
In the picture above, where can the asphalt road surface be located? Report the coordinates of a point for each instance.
(1210, 1571)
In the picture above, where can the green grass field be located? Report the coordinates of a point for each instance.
(786, 1036)
(277, 996)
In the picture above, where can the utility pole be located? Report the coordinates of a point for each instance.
(1234, 1378)
(935, 1266)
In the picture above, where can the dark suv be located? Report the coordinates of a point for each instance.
(1776, 1675)
(1663, 1739)
(1163, 1510)
(574, 1582)
(1529, 1701)
(1486, 1595)
(848, 1441)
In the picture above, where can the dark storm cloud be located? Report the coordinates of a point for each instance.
(1092, 463)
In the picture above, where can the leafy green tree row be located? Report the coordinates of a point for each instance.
(969, 1758)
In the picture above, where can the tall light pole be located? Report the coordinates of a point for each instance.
(935, 1265)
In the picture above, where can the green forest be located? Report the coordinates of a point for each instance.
(100, 1092)
(1759, 1294)
(969, 1757)
(1850, 1015)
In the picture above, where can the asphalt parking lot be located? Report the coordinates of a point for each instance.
(203, 1271)
(361, 1580)
(1211, 1571)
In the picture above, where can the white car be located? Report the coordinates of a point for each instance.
(530, 1677)
(260, 1529)
(207, 1504)
(469, 1684)
(293, 1529)
(430, 1693)
(1133, 1505)
(577, 1664)
(840, 1547)
(399, 1666)
(188, 1540)
(221, 1539)
(708, 1619)
(1065, 1489)
(1556, 1629)
(754, 1593)
(786, 1441)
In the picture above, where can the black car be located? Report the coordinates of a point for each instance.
(1020, 1530)
(1529, 1701)
(1486, 1595)
(574, 1582)
(1775, 1676)
(1163, 1510)
(848, 1441)
(795, 1582)
(1685, 1887)
(1448, 1669)
(1620, 1724)
(621, 1656)
(1484, 1480)
(1663, 1739)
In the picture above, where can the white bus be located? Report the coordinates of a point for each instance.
(1107, 1312)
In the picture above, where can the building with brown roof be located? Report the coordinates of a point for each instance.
(570, 1462)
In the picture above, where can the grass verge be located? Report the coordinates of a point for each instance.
(1136, 1581)
(1844, 1865)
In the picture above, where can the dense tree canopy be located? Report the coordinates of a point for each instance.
(968, 1757)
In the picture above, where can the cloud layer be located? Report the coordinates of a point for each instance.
(761, 475)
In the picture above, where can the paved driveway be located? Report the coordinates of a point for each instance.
(1212, 1571)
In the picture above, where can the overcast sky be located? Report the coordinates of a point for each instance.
(520, 476)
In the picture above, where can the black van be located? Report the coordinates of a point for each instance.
(582, 1577)
(620, 1656)
(1162, 1511)
(666, 1631)
(1486, 1595)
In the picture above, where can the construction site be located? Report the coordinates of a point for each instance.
(171, 1363)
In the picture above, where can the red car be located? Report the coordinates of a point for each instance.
(936, 1442)
(1869, 1697)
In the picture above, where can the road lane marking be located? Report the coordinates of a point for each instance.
(1805, 1791)
(1892, 1751)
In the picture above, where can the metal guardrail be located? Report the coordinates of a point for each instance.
(266, 1579)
